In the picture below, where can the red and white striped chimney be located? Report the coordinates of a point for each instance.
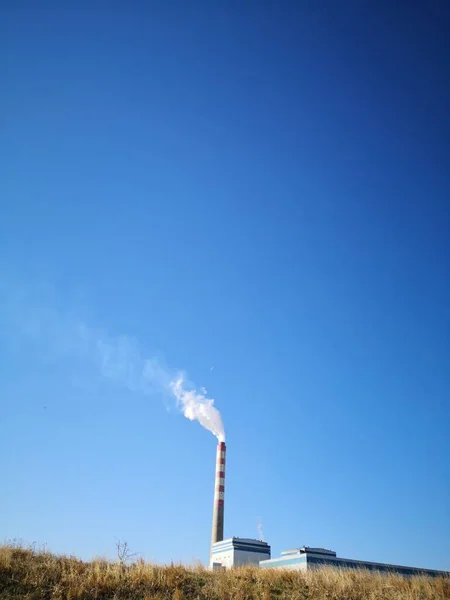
(219, 494)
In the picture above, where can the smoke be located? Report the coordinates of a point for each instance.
(196, 407)
(260, 531)
(32, 318)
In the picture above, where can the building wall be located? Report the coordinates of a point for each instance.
(242, 557)
(303, 562)
(295, 563)
(224, 557)
(239, 551)
(346, 563)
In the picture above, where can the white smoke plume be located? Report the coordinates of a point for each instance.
(260, 531)
(196, 407)
(32, 318)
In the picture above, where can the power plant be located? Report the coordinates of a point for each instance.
(235, 551)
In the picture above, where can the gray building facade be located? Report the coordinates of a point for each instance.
(306, 558)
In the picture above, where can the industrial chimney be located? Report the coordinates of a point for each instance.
(219, 493)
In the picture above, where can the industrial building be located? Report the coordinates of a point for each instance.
(306, 558)
(235, 552)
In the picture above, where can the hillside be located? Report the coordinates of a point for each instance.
(28, 574)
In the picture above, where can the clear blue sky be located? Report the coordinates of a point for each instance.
(258, 187)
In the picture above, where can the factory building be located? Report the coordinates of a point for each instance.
(306, 558)
(235, 552)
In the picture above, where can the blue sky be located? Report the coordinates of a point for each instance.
(258, 187)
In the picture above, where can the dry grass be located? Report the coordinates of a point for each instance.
(31, 575)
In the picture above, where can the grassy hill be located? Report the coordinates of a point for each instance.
(33, 575)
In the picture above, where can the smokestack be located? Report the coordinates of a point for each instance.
(219, 493)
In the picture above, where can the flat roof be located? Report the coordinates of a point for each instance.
(237, 540)
(308, 549)
(241, 544)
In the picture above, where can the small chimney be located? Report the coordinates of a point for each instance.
(219, 494)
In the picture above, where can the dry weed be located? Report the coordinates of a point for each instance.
(40, 575)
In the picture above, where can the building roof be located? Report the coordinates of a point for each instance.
(309, 550)
(241, 544)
